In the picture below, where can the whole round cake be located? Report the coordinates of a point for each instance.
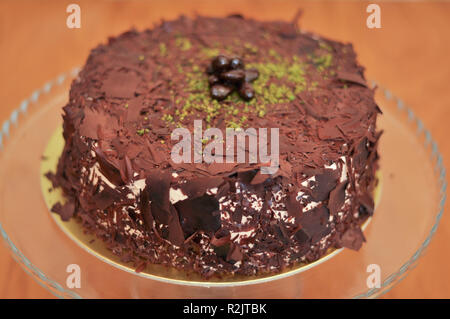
(128, 180)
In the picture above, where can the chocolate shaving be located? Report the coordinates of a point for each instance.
(66, 211)
(108, 168)
(199, 214)
(106, 197)
(352, 238)
(324, 183)
(351, 77)
(93, 120)
(314, 223)
(199, 186)
(163, 212)
(144, 204)
(120, 85)
(234, 254)
(337, 198)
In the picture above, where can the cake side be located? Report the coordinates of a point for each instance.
(220, 218)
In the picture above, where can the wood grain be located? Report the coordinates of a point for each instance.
(409, 54)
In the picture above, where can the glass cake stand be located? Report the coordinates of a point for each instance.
(409, 209)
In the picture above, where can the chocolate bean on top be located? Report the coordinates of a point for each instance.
(246, 91)
(213, 79)
(220, 91)
(236, 63)
(233, 76)
(228, 74)
(221, 63)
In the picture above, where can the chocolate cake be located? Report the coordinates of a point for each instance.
(220, 219)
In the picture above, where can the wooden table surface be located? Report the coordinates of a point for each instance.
(409, 54)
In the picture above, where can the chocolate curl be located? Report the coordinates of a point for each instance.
(234, 254)
(352, 238)
(109, 168)
(126, 172)
(161, 210)
(296, 18)
(65, 211)
(199, 214)
(337, 198)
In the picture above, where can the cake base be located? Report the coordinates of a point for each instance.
(98, 248)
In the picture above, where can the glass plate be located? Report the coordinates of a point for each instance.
(408, 213)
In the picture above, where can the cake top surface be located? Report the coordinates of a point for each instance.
(135, 90)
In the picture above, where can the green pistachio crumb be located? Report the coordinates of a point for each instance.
(183, 43)
(325, 46)
(210, 52)
(275, 54)
(162, 49)
(168, 118)
(322, 62)
(290, 96)
(251, 48)
(195, 68)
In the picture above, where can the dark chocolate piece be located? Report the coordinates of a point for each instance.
(220, 92)
(199, 214)
(352, 238)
